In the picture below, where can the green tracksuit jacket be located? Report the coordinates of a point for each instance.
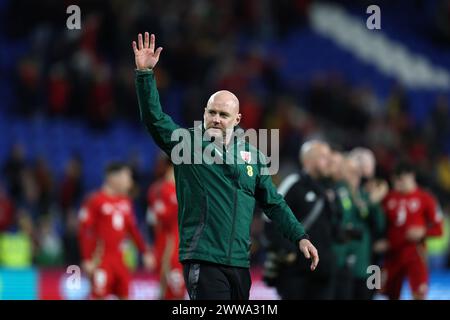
(215, 201)
(370, 220)
(347, 217)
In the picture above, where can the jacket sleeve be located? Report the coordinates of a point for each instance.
(278, 242)
(159, 124)
(277, 210)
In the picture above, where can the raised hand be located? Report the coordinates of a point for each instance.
(145, 55)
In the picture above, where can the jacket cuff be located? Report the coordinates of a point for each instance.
(305, 236)
(146, 71)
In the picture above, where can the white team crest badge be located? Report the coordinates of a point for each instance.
(246, 156)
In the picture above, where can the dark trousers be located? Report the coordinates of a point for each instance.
(208, 281)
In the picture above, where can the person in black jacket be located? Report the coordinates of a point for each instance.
(305, 193)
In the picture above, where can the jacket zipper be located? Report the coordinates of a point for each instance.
(234, 214)
(233, 225)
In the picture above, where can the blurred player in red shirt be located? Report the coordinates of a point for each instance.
(412, 216)
(106, 220)
(163, 217)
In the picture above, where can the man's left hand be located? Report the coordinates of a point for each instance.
(309, 251)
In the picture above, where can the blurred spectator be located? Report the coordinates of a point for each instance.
(49, 246)
(58, 90)
(101, 104)
(71, 250)
(13, 171)
(438, 124)
(17, 245)
(28, 88)
(44, 182)
(304, 192)
(30, 201)
(251, 111)
(6, 211)
(397, 110)
(71, 186)
(443, 173)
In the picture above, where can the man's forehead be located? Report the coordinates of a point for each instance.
(221, 106)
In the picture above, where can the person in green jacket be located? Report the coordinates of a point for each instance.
(346, 233)
(217, 185)
(367, 195)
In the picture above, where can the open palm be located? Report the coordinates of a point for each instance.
(144, 52)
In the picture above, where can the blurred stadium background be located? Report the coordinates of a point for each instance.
(310, 68)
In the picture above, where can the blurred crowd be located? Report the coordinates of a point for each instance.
(208, 45)
(88, 73)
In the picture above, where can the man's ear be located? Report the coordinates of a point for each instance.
(238, 118)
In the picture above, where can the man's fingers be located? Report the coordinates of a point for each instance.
(315, 258)
(158, 51)
(152, 42)
(310, 252)
(146, 40)
(140, 44)
(306, 253)
(135, 47)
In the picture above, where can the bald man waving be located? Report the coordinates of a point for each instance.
(216, 198)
